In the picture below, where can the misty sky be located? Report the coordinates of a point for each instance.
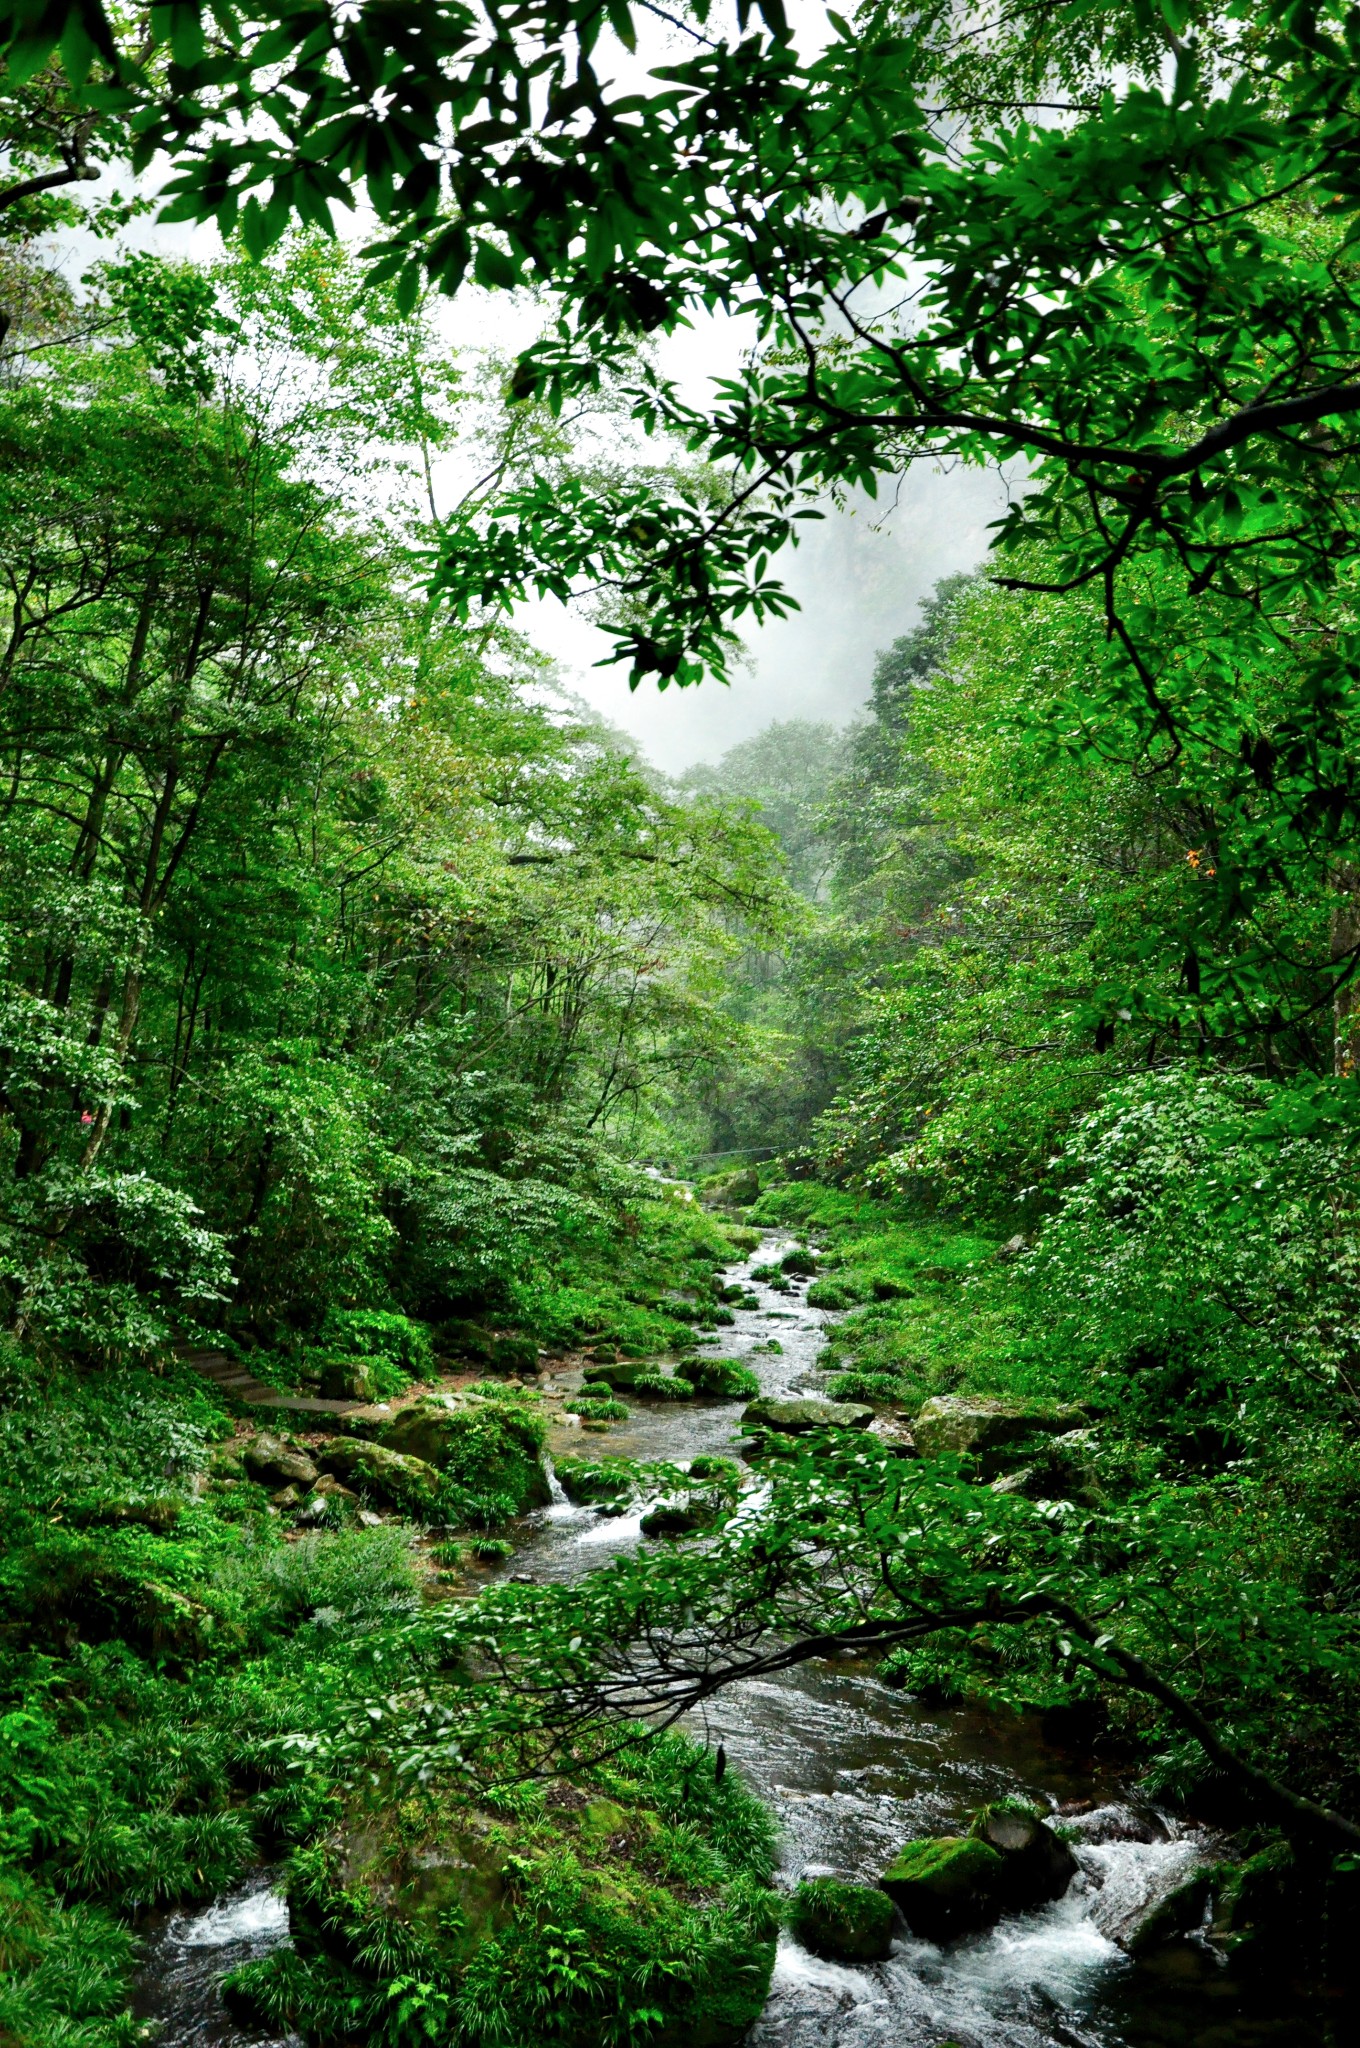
(858, 576)
(858, 587)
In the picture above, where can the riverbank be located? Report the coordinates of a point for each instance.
(234, 1628)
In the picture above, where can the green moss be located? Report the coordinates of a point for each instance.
(725, 1379)
(591, 1481)
(489, 1453)
(845, 1923)
(946, 1886)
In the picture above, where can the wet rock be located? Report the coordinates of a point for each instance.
(270, 1462)
(963, 1424)
(793, 1417)
(408, 1484)
(1038, 1865)
(946, 1886)
(1179, 1913)
(843, 1923)
(677, 1518)
(798, 1264)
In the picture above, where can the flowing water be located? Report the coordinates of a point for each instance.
(852, 1770)
(187, 1955)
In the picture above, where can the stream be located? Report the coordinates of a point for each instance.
(851, 1770)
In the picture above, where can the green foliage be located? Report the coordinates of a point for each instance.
(374, 1333)
(65, 1970)
(726, 1377)
(592, 1409)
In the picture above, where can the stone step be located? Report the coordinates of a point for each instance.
(230, 1377)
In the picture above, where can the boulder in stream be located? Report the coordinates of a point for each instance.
(793, 1417)
(722, 1379)
(596, 1482)
(1037, 1865)
(843, 1923)
(946, 1885)
(982, 1425)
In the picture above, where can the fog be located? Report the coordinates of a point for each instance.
(859, 578)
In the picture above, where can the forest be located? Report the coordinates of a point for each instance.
(666, 1410)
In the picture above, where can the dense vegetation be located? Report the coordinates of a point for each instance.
(355, 984)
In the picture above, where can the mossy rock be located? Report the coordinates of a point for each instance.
(662, 1386)
(734, 1190)
(488, 1907)
(796, 1417)
(515, 1354)
(946, 1886)
(490, 1448)
(834, 1294)
(462, 1339)
(978, 1425)
(722, 1379)
(1038, 1865)
(843, 1923)
(883, 1287)
(271, 1462)
(620, 1375)
(387, 1477)
(674, 1518)
(798, 1264)
(590, 1482)
(349, 1379)
(1180, 1913)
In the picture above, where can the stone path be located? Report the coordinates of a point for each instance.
(231, 1377)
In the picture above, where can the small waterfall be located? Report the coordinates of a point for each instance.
(557, 1497)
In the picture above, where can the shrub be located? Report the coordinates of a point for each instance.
(362, 1576)
(376, 1333)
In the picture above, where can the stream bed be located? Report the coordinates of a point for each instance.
(851, 1770)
